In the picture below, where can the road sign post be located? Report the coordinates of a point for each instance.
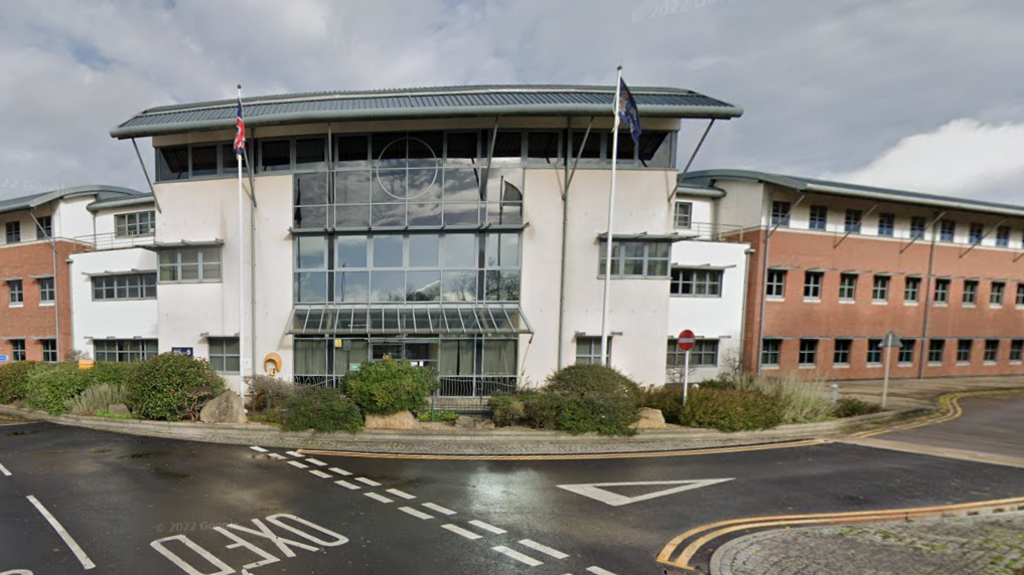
(890, 341)
(686, 341)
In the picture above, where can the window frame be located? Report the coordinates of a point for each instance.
(887, 225)
(918, 227)
(873, 355)
(818, 218)
(44, 227)
(880, 289)
(947, 231)
(841, 351)
(936, 351)
(706, 280)
(807, 355)
(16, 292)
(111, 287)
(47, 290)
(593, 352)
(853, 223)
(135, 224)
(1016, 350)
(911, 290)
(220, 356)
(18, 350)
(124, 350)
(12, 232)
(770, 348)
(781, 214)
(201, 264)
(996, 294)
(905, 353)
(848, 287)
(963, 353)
(813, 281)
(620, 259)
(970, 293)
(1003, 236)
(688, 216)
(940, 295)
(990, 353)
(775, 281)
(50, 353)
(975, 233)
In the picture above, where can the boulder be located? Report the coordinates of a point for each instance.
(474, 422)
(650, 419)
(225, 408)
(400, 420)
(118, 409)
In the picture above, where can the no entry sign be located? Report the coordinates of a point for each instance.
(686, 340)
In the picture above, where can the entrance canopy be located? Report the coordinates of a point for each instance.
(391, 319)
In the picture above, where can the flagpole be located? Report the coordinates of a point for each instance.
(241, 272)
(611, 212)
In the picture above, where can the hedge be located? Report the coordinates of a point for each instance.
(50, 386)
(731, 409)
(172, 387)
(390, 386)
(321, 409)
(14, 381)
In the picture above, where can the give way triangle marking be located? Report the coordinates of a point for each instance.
(594, 491)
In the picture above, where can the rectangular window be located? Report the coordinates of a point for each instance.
(874, 355)
(812, 285)
(941, 291)
(963, 351)
(912, 290)
(683, 215)
(808, 352)
(18, 350)
(1020, 294)
(819, 218)
(704, 353)
(780, 214)
(13, 230)
(991, 350)
(947, 231)
(775, 286)
(122, 287)
(135, 224)
(172, 163)
(696, 282)
(852, 223)
(588, 350)
(906, 353)
(124, 350)
(1003, 236)
(47, 293)
(636, 259)
(977, 232)
(886, 224)
(880, 289)
(190, 265)
(275, 155)
(936, 347)
(995, 297)
(970, 292)
(44, 227)
(841, 353)
(770, 351)
(847, 287)
(14, 287)
(917, 224)
(224, 355)
(1016, 350)
(49, 350)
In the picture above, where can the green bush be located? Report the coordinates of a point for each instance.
(590, 398)
(171, 386)
(605, 414)
(731, 409)
(14, 381)
(114, 374)
(322, 409)
(444, 416)
(592, 379)
(540, 409)
(852, 407)
(96, 398)
(668, 398)
(506, 410)
(387, 387)
(51, 386)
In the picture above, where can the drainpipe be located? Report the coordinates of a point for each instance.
(743, 300)
(565, 232)
(764, 278)
(929, 280)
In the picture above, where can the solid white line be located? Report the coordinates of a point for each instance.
(543, 549)
(298, 464)
(316, 462)
(275, 455)
(258, 448)
(460, 531)
(379, 497)
(487, 527)
(339, 471)
(415, 513)
(294, 454)
(517, 556)
(4, 470)
(439, 509)
(599, 571)
(321, 474)
(366, 481)
(82, 557)
(344, 483)
(400, 493)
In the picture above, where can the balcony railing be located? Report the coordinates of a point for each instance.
(111, 241)
(707, 231)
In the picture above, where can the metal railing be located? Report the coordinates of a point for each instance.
(111, 241)
(707, 231)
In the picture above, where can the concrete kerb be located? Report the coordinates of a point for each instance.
(494, 442)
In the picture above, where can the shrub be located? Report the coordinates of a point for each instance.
(589, 379)
(387, 387)
(668, 398)
(852, 407)
(801, 400)
(605, 414)
(267, 392)
(540, 409)
(95, 399)
(14, 381)
(506, 410)
(445, 416)
(112, 373)
(731, 409)
(171, 386)
(322, 409)
(50, 386)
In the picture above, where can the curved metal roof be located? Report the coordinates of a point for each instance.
(102, 192)
(121, 202)
(442, 102)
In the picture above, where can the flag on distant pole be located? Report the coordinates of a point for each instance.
(628, 113)
(239, 145)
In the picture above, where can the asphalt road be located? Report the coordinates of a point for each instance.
(215, 509)
(992, 425)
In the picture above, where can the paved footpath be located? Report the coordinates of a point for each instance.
(981, 545)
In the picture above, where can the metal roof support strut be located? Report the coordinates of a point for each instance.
(848, 232)
(682, 176)
(145, 173)
(930, 225)
(982, 238)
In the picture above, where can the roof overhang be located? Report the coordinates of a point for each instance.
(409, 319)
(664, 238)
(184, 244)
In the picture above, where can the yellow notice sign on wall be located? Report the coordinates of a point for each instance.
(86, 364)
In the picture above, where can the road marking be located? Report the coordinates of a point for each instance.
(487, 527)
(316, 462)
(400, 493)
(298, 464)
(79, 553)
(438, 508)
(379, 497)
(594, 491)
(294, 454)
(344, 483)
(517, 556)
(276, 455)
(543, 549)
(598, 571)
(366, 481)
(415, 513)
(339, 471)
(460, 531)
(321, 474)
(258, 449)
(4, 470)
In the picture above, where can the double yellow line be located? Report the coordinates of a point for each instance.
(949, 409)
(701, 536)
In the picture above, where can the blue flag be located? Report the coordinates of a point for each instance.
(628, 112)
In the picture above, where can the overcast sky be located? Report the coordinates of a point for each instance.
(918, 94)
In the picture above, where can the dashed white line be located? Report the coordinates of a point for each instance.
(344, 483)
(400, 493)
(298, 464)
(339, 471)
(460, 531)
(517, 556)
(379, 497)
(276, 456)
(79, 553)
(366, 481)
(321, 474)
(4, 470)
(258, 448)
(316, 462)
(543, 549)
(415, 513)
(487, 527)
(599, 571)
(439, 509)
(294, 454)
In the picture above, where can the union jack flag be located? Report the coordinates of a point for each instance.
(239, 144)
